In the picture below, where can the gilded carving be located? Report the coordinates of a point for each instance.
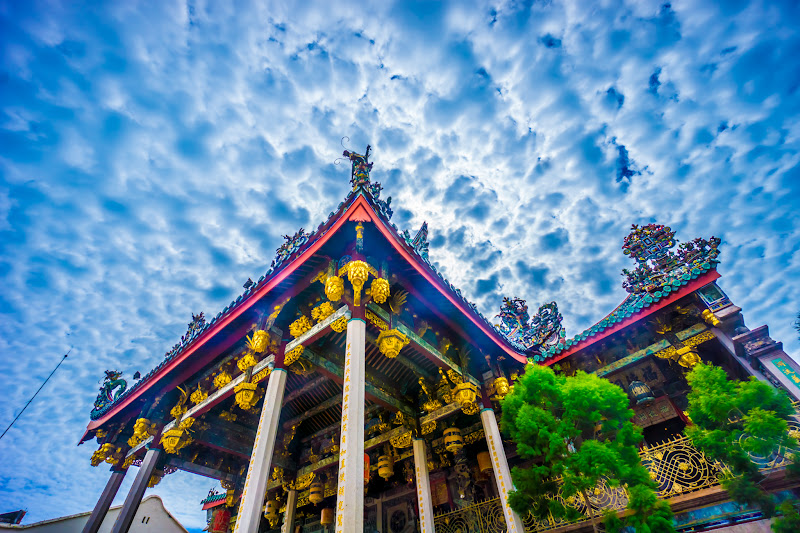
(245, 395)
(401, 441)
(322, 311)
(380, 290)
(293, 355)
(357, 274)
(142, 429)
(300, 326)
(178, 437)
(390, 342)
(222, 379)
(339, 325)
(334, 288)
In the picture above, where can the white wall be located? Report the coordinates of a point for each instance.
(151, 517)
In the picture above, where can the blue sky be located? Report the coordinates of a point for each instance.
(152, 154)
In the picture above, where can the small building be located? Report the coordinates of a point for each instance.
(151, 517)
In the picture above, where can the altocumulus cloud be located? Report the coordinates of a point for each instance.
(151, 155)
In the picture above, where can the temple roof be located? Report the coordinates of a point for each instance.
(660, 277)
(301, 245)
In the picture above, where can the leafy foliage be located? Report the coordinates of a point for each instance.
(734, 419)
(577, 429)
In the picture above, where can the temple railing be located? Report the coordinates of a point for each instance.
(676, 466)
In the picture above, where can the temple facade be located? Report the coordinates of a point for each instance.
(353, 388)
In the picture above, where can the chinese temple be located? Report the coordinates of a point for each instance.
(352, 388)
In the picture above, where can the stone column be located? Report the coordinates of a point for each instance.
(502, 474)
(134, 498)
(288, 516)
(423, 487)
(255, 485)
(101, 508)
(350, 488)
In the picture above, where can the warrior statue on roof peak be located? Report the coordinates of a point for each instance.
(359, 175)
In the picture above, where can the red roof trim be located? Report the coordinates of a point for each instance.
(221, 324)
(690, 287)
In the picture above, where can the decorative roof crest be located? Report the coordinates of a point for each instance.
(657, 265)
(532, 335)
(361, 167)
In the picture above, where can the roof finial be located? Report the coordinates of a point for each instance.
(359, 174)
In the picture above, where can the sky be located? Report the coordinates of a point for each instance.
(153, 153)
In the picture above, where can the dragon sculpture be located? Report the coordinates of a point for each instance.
(531, 335)
(112, 380)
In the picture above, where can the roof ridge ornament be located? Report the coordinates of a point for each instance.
(360, 169)
(657, 265)
(532, 335)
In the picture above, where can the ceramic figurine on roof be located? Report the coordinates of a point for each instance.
(359, 175)
(657, 265)
(112, 380)
(292, 244)
(197, 323)
(531, 335)
(420, 240)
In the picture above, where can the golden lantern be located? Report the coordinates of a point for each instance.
(178, 437)
(245, 395)
(326, 517)
(465, 393)
(390, 342)
(385, 467)
(452, 440)
(317, 493)
(484, 462)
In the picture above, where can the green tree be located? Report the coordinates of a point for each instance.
(577, 429)
(733, 419)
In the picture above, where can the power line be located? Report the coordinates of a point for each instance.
(35, 393)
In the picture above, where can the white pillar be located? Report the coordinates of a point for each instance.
(423, 487)
(255, 485)
(350, 488)
(288, 517)
(502, 474)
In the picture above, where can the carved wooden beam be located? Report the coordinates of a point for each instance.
(372, 392)
(201, 470)
(421, 344)
(311, 385)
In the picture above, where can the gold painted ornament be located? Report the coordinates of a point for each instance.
(155, 479)
(142, 429)
(390, 342)
(380, 290)
(334, 288)
(271, 512)
(245, 395)
(326, 517)
(484, 462)
(178, 437)
(339, 325)
(247, 361)
(222, 379)
(300, 326)
(357, 275)
(198, 396)
(293, 355)
(501, 387)
(322, 311)
(710, 318)
(259, 342)
(687, 357)
(465, 394)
